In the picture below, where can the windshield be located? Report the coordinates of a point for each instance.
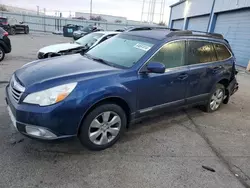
(86, 29)
(89, 40)
(123, 50)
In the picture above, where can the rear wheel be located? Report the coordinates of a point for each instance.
(2, 53)
(216, 98)
(12, 31)
(102, 127)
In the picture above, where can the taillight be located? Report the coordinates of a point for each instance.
(5, 34)
(5, 23)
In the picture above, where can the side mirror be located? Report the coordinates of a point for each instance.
(156, 67)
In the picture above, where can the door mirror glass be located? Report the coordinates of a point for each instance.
(156, 67)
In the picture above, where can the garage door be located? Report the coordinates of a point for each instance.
(235, 26)
(178, 24)
(198, 23)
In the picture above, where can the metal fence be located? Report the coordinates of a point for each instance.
(44, 23)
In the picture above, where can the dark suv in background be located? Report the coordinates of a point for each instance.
(97, 95)
(12, 26)
(5, 45)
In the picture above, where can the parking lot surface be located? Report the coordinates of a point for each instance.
(184, 148)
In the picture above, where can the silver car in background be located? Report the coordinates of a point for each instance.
(83, 44)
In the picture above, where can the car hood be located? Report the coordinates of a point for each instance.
(59, 47)
(63, 69)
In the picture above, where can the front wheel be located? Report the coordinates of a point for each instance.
(103, 126)
(26, 30)
(216, 98)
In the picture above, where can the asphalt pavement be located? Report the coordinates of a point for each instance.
(185, 148)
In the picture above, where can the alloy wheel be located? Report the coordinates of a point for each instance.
(216, 99)
(104, 128)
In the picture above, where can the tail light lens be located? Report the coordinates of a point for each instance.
(5, 34)
(4, 23)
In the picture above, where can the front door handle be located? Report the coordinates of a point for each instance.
(182, 76)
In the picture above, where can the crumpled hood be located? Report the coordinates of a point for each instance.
(62, 69)
(59, 47)
(79, 32)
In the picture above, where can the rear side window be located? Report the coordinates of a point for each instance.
(171, 55)
(222, 52)
(200, 52)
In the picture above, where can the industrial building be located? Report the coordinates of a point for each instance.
(228, 17)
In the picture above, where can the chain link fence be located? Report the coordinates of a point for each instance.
(44, 23)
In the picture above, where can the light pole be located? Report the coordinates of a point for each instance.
(90, 15)
(143, 3)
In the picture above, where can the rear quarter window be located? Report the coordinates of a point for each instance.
(222, 52)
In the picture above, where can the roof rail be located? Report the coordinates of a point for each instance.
(177, 32)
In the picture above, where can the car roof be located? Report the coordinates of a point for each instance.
(153, 34)
(161, 34)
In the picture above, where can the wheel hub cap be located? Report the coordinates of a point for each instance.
(216, 99)
(104, 128)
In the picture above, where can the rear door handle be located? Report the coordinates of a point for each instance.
(215, 69)
(182, 77)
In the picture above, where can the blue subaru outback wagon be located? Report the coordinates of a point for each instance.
(96, 95)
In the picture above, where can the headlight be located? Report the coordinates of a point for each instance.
(50, 96)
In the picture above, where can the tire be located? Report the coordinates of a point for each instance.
(2, 53)
(216, 98)
(12, 31)
(116, 122)
(26, 30)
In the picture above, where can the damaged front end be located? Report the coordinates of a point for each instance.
(61, 53)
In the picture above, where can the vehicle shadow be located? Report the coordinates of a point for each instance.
(156, 122)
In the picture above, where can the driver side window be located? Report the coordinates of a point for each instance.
(171, 55)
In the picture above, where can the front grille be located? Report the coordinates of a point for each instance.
(15, 89)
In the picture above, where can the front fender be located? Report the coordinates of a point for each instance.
(88, 100)
(119, 91)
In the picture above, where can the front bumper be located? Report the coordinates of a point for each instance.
(47, 123)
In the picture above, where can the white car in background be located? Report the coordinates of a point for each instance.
(83, 44)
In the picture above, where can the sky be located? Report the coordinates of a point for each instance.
(126, 8)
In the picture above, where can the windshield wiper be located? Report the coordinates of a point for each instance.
(99, 60)
(88, 56)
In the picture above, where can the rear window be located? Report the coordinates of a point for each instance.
(201, 52)
(3, 20)
(222, 52)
